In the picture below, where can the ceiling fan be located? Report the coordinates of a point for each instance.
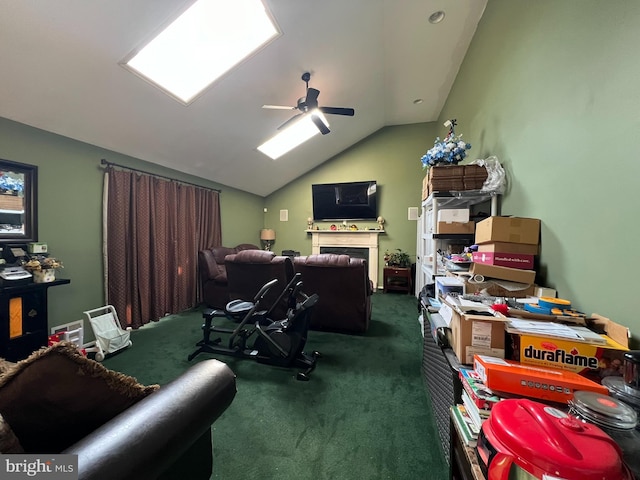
(309, 104)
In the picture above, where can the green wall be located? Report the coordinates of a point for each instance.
(70, 210)
(551, 88)
(548, 86)
(390, 156)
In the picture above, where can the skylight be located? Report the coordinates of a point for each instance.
(204, 42)
(298, 132)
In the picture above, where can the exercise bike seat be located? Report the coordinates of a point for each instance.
(238, 307)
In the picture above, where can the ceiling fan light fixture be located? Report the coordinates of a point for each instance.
(294, 135)
(436, 17)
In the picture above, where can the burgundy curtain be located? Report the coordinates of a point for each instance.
(154, 230)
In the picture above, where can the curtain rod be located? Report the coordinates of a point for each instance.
(105, 162)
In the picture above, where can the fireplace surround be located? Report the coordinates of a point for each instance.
(356, 241)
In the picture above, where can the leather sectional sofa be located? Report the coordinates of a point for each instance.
(344, 288)
(58, 401)
(341, 282)
(166, 435)
(213, 273)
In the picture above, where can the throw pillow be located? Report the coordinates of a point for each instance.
(57, 396)
(5, 365)
(8, 441)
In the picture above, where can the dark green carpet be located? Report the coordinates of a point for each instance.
(363, 415)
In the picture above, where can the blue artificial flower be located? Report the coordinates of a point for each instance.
(451, 151)
(10, 184)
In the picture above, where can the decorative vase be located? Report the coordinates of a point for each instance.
(44, 276)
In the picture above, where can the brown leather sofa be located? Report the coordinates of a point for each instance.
(166, 435)
(213, 274)
(344, 288)
(249, 270)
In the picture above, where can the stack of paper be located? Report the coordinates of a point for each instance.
(557, 330)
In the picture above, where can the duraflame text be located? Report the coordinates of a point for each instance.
(561, 356)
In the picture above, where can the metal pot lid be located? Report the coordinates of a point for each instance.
(603, 410)
(621, 390)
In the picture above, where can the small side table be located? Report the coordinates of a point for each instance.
(397, 278)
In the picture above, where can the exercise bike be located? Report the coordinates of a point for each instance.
(277, 342)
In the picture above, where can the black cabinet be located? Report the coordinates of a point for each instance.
(24, 324)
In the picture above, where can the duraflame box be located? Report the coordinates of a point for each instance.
(504, 273)
(508, 229)
(512, 260)
(594, 361)
(474, 334)
(456, 227)
(532, 381)
(506, 247)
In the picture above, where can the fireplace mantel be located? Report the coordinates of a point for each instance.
(350, 238)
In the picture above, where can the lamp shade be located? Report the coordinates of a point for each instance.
(267, 234)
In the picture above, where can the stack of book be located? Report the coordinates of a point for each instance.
(466, 426)
(477, 398)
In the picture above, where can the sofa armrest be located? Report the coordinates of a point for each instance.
(147, 438)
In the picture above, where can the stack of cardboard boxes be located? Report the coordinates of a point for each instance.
(447, 178)
(507, 247)
(506, 252)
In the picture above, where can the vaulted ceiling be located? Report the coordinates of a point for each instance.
(61, 72)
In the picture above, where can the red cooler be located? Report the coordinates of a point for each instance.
(524, 439)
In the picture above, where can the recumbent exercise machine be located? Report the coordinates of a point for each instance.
(277, 342)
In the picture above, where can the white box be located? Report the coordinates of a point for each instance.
(35, 247)
(447, 285)
(449, 215)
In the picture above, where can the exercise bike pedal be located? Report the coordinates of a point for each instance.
(303, 377)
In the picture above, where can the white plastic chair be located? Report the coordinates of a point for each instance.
(110, 337)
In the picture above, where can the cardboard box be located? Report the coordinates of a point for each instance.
(425, 187)
(504, 273)
(453, 215)
(456, 227)
(508, 229)
(537, 382)
(513, 260)
(474, 334)
(491, 287)
(506, 247)
(476, 171)
(496, 290)
(35, 247)
(545, 292)
(446, 171)
(594, 361)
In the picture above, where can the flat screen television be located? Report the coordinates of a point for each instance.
(345, 201)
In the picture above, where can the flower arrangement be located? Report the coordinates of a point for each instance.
(40, 262)
(449, 151)
(10, 184)
(397, 258)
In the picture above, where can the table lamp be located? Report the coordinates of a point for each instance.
(267, 235)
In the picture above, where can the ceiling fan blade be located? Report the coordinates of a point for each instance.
(311, 100)
(320, 124)
(278, 107)
(338, 111)
(295, 117)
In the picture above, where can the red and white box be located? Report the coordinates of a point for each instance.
(512, 260)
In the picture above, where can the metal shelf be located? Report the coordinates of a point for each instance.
(427, 239)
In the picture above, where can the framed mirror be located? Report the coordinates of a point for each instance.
(18, 202)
